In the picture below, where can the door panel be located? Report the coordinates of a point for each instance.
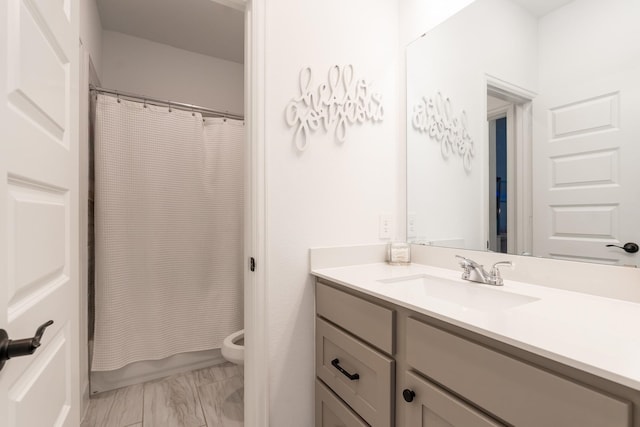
(39, 40)
(585, 157)
(595, 168)
(39, 115)
(32, 390)
(39, 251)
(585, 116)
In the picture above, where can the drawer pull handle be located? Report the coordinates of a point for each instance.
(336, 364)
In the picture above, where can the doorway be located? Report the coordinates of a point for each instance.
(256, 387)
(508, 195)
(500, 164)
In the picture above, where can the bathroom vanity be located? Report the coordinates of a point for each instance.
(416, 345)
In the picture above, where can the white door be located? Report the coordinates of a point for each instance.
(39, 66)
(586, 169)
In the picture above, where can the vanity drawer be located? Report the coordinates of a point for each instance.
(338, 356)
(370, 322)
(332, 412)
(514, 391)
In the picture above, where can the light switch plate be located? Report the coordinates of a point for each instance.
(411, 224)
(385, 222)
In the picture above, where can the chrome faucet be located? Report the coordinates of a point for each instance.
(475, 272)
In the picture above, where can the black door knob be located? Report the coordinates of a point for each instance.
(630, 248)
(408, 395)
(23, 347)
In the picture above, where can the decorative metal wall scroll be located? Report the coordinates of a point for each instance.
(435, 116)
(341, 102)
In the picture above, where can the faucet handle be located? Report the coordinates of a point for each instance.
(495, 278)
(508, 263)
(467, 262)
(463, 261)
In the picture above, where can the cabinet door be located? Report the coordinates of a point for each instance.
(433, 407)
(332, 412)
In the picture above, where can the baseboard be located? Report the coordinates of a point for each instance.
(148, 370)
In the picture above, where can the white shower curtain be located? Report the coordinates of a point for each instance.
(168, 232)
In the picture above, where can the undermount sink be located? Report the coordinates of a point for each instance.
(465, 294)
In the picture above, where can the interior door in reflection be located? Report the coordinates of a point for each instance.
(585, 153)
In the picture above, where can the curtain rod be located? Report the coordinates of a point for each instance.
(163, 103)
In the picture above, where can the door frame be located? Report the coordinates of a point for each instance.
(520, 227)
(256, 380)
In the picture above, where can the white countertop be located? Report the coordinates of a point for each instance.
(595, 334)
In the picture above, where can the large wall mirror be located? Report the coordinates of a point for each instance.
(523, 130)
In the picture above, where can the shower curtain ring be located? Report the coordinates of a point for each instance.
(145, 103)
(169, 107)
(118, 97)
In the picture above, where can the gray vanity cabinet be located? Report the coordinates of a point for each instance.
(380, 364)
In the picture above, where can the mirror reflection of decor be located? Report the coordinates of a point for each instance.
(436, 118)
(339, 103)
(552, 97)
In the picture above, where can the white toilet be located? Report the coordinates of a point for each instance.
(233, 348)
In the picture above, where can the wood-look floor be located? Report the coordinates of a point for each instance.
(210, 397)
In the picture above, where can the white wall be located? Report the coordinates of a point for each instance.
(419, 16)
(596, 48)
(140, 66)
(332, 193)
(454, 59)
